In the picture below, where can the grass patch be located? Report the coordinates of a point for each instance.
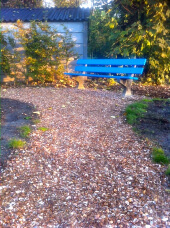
(167, 172)
(27, 117)
(25, 131)
(35, 121)
(136, 110)
(16, 144)
(43, 129)
(158, 156)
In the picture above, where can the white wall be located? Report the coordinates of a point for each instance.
(79, 35)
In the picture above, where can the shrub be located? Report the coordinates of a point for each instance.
(43, 55)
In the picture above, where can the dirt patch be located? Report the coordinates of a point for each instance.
(14, 115)
(155, 124)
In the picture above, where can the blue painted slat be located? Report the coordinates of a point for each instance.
(102, 76)
(120, 70)
(118, 62)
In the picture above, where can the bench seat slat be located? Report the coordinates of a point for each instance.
(117, 62)
(120, 70)
(101, 76)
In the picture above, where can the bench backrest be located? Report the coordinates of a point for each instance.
(118, 66)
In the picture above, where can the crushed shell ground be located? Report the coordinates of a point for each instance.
(89, 169)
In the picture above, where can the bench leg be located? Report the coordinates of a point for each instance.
(80, 80)
(126, 87)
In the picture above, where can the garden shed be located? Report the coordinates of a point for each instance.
(74, 19)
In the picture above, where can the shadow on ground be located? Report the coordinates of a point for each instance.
(14, 114)
(155, 124)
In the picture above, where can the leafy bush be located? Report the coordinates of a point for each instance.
(41, 54)
(134, 28)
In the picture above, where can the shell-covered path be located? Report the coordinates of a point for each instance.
(89, 169)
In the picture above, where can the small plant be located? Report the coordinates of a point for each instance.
(43, 129)
(167, 172)
(16, 144)
(111, 82)
(158, 156)
(27, 117)
(24, 131)
(36, 121)
(136, 110)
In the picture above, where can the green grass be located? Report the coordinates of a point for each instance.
(43, 129)
(167, 172)
(27, 117)
(136, 110)
(158, 156)
(25, 131)
(16, 144)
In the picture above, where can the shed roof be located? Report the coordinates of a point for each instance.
(42, 14)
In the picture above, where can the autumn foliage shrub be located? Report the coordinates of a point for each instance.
(133, 28)
(39, 53)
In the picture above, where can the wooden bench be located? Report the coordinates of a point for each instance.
(123, 70)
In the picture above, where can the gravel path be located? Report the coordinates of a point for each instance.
(88, 170)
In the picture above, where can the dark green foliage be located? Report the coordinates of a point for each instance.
(158, 156)
(99, 42)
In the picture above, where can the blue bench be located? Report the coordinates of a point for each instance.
(123, 70)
